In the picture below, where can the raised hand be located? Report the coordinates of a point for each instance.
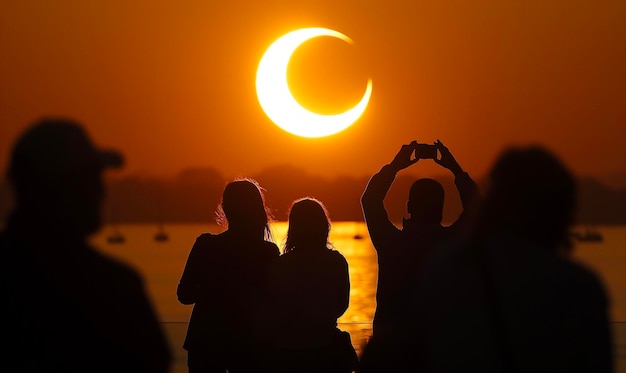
(447, 159)
(403, 159)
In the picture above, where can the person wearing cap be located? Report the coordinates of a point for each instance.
(67, 307)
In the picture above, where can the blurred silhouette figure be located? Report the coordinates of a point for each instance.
(225, 278)
(66, 307)
(309, 290)
(510, 299)
(402, 253)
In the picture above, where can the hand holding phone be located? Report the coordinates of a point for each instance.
(447, 159)
(403, 158)
(426, 151)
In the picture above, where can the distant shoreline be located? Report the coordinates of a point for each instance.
(193, 197)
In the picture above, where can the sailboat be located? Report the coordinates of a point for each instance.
(161, 236)
(588, 235)
(358, 235)
(116, 237)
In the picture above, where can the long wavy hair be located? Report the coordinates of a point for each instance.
(309, 226)
(243, 208)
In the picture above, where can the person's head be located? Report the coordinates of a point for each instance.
(531, 195)
(425, 204)
(309, 225)
(56, 174)
(243, 208)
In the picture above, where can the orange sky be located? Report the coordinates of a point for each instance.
(171, 84)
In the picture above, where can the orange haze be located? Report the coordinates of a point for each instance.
(171, 84)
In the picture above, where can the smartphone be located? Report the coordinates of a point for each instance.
(426, 151)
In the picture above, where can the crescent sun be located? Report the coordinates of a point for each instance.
(279, 104)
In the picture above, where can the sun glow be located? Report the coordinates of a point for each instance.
(277, 100)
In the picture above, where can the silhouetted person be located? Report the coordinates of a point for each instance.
(511, 299)
(66, 307)
(402, 253)
(226, 278)
(309, 290)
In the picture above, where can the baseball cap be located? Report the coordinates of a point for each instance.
(58, 148)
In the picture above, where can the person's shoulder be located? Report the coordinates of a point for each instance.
(289, 257)
(283, 265)
(207, 241)
(578, 274)
(574, 284)
(207, 238)
(270, 249)
(336, 256)
(283, 258)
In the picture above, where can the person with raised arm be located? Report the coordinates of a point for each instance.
(403, 252)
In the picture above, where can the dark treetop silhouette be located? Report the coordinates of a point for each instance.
(510, 299)
(226, 277)
(402, 253)
(66, 307)
(309, 290)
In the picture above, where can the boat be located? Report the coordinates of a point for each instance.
(358, 235)
(588, 235)
(116, 237)
(161, 236)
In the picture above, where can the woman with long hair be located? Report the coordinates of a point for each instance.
(309, 290)
(225, 278)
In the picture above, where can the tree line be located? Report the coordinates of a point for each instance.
(193, 195)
